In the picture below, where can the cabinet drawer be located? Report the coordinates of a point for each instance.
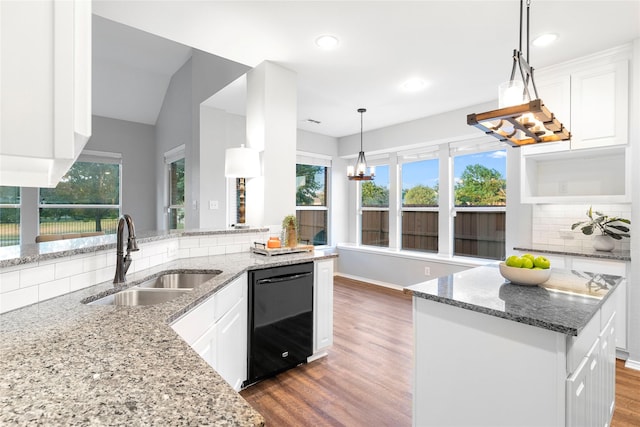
(229, 296)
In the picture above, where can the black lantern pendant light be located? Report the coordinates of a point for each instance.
(520, 120)
(358, 173)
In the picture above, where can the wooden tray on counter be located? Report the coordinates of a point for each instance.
(261, 248)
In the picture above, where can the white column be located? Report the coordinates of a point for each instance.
(271, 129)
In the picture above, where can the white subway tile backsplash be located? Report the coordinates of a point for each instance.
(9, 281)
(196, 252)
(69, 268)
(208, 241)
(53, 289)
(37, 275)
(81, 281)
(18, 298)
(551, 225)
(217, 250)
(189, 242)
(23, 285)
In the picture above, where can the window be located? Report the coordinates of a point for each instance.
(175, 191)
(176, 195)
(9, 216)
(87, 198)
(480, 204)
(420, 203)
(311, 201)
(375, 209)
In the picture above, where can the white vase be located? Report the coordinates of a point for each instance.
(604, 243)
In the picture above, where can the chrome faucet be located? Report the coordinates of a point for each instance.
(123, 262)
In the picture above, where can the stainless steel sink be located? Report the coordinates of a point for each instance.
(157, 290)
(138, 296)
(178, 280)
(141, 296)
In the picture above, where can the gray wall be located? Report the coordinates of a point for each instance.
(179, 123)
(173, 128)
(390, 269)
(135, 141)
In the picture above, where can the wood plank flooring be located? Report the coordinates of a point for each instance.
(366, 379)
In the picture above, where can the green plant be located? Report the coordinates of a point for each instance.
(289, 221)
(608, 226)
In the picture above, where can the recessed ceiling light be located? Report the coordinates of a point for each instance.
(413, 85)
(545, 39)
(327, 42)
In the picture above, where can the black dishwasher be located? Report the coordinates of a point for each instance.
(280, 319)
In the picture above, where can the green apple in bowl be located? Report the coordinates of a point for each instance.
(541, 262)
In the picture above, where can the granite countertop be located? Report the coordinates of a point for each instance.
(68, 363)
(32, 252)
(587, 253)
(565, 303)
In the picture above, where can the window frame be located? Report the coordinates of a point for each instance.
(15, 206)
(377, 161)
(445, 152)
(173, 155)
(315, 159)
(414, 156)
(89, 156)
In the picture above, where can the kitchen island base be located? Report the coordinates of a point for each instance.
(489, 353)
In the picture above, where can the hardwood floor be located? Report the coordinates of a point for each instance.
(366, 379)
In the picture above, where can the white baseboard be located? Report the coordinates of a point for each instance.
(373, 282)
(632, 364)
(318, 355)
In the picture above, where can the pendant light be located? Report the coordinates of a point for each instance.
(358, 173)
(520, 120)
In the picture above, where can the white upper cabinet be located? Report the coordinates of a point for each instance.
(600, 106)
(45, 88)
(590, 97)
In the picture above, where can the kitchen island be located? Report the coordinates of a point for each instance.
(489, 353)
(68, 363)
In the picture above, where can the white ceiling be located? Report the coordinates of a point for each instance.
(462, 48)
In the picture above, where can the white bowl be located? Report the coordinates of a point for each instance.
(524, 276)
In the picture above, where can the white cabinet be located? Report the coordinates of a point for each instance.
(590, 96)
(45, 88)
(322, 306)
(600, 106)
(591, 387)
(231, 345)
(528, 375)
(597, 175)
(217, 330)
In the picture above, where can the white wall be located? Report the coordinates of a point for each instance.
(136, 143)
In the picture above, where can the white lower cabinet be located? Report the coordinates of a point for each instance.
(322, 306)
(591, 387)
(475, 369)
(217, 331)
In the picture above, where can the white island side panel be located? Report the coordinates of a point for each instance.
(480, 370)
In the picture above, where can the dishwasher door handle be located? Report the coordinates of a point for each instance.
(283, 278)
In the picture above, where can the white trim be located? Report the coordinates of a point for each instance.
(416, 255)
(632, 364)
(312, 208)
(370, 281)
(95, 153)
(174, 154)
(313, 159)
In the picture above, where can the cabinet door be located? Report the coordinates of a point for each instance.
(45, 76)
(205, 346)
(578, 386)
(231, 345)
(323, 305)
(555, 93)
(600, 106)
(608, 370)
